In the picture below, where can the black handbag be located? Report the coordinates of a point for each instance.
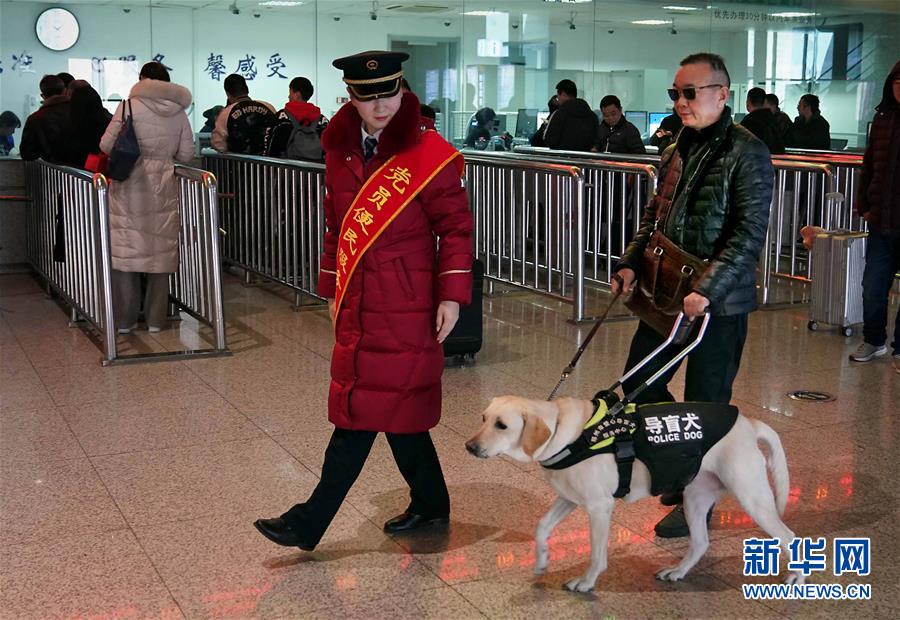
(126, 151)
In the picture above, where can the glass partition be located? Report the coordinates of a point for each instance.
(505, 56)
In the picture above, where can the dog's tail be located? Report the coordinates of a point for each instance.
(776, 461)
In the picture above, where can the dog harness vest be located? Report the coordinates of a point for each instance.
(671, 439)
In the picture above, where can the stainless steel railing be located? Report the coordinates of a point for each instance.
(272, 215)
(69, 247)
(68, 242)
(197, 285)
(529, 225)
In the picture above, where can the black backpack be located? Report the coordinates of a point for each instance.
(248, 121)
(304, 142)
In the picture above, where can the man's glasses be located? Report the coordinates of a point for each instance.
(690, 93)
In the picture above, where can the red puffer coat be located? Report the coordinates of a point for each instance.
(387, 364)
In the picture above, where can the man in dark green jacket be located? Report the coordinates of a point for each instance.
(715, 189)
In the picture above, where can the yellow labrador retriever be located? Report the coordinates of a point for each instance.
(529, 430)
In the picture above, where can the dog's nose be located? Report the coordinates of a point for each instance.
(472, 447)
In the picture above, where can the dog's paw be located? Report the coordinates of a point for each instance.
(674, 573)
(580, 584)
(795, 578)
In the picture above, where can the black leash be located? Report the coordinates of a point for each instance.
(571, 367)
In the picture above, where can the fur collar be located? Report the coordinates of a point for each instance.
(166, 96)
(402, 133)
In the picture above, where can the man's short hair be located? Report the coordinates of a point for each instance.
(155, 71)
(568, 87)
(756, 97)
(236, 85)
(67, 78)
(715, 62)
(772, 99)
(303, 86)
(52, 85)
(812, 101)
(609, 100)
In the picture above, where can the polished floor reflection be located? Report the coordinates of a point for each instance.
(129, 492)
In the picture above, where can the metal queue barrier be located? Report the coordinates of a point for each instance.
(69, 247)
(846, 169)
(272, 215)
(529, 225)
(616, 191)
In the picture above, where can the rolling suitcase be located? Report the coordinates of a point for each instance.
(464, 341)
(837, 262)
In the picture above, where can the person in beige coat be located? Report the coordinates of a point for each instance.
(143, 210)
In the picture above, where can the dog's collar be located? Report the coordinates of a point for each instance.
(611, 424)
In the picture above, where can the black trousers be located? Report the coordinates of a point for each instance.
(711, 367)
(345, 456)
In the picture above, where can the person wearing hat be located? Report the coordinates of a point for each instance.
(392, 191)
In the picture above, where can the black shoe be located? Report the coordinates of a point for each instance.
(281, 533)
(674, 524)
(409, 521)
(671, 499)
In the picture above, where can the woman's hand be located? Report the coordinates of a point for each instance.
(447, 316)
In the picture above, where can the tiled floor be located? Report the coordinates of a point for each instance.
(129, 492)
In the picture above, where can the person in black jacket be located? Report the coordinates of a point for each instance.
(879, 203)
(810, 130)
(712, 200)
(666, 133)
(538, 138)
(573, 127)
(761, 122)
(481, 129)
(48, 132)
(782, 120)
(89, 120)
(617, 135)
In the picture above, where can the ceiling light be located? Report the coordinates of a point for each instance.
(681, 8)
(482, 13)
(569, 1)
(793, 14)
(281, 3)
(651, 22)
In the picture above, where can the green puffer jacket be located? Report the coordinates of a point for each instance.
(719, 210)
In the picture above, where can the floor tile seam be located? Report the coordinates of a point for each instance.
(186, 446)
(274, 438)
(65, 538)
(191, 444)
(287, 334)
(128, 524)
(466, 599)
(35, 370)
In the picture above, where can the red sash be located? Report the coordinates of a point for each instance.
(383, 197)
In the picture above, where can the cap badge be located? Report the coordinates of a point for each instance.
(372, 65)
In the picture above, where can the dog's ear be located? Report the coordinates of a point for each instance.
(534, 434)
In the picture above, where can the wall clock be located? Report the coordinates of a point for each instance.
(57, 29)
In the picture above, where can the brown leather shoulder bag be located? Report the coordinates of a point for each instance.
(667, 273)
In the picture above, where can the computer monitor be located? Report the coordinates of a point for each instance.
(638, 118)
(526, 122)
(739, 116)
(838, 144)
(655, 119)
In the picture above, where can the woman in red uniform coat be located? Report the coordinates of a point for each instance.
(393, 188)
